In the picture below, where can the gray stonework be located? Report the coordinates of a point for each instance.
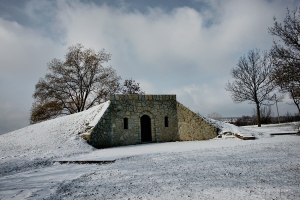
(192, 127)
(182, 124)
(100, 136)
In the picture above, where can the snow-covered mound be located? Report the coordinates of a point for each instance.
(227, 129)
(38, 144)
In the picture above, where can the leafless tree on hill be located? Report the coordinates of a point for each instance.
(252, 80)
(286, 55)
(74, 85)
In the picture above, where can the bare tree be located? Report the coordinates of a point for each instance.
(286, 55)
(74, 85)
(278, 99)
(131, 87)
(289, 117)
(265, 114)
(253, 81)
(42, 111)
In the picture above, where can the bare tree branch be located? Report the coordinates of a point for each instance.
(286, 55)
(253, 81)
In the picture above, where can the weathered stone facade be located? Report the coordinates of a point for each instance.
(133, 119)
(192, 127)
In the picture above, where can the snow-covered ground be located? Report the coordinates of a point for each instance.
(221, 168)
(273, 128)
(37, 145)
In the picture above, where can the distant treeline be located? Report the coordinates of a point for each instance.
(252, 120)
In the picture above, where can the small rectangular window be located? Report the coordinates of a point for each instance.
(166, 122)
(125, 123)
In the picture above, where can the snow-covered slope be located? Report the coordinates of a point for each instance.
(38, 144)
(226, 128)
(103, 108)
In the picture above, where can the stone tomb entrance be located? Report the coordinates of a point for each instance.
(135, 119)
(146, 129)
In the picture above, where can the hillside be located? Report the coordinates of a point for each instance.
(38, 144)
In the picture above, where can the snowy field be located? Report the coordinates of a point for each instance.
(221, 168)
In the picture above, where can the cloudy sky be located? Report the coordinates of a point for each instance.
(177, 47)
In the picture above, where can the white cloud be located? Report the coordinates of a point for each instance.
(23, 50)
(208, 98)
(146, 86)
(167, 41)
(24, 56)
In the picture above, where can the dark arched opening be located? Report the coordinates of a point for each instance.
(146, 129)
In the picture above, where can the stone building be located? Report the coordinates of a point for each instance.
(134, 119)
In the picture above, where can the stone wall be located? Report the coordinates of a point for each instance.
(192, 127)
(111, 130)
(100, 136)
(183, 124)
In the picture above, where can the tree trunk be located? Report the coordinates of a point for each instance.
(258, 114)
(277, 113)
(297, 104)
(295, 99)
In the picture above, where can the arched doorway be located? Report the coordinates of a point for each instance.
(146, 128)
